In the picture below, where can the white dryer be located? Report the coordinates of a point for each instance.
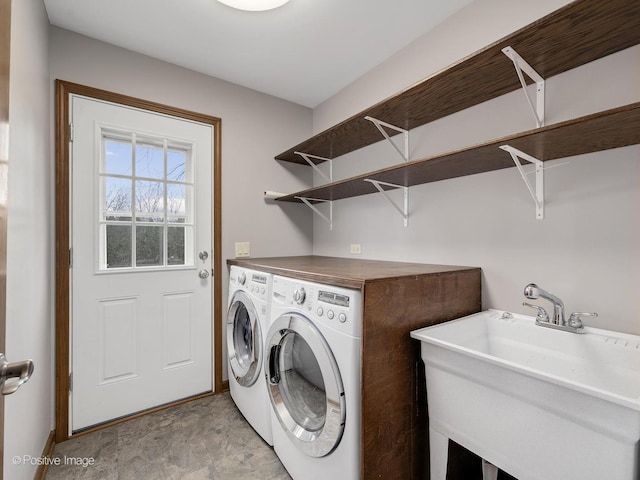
(247, 323)
(313, 375)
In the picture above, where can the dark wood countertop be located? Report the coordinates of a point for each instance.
(343, 272)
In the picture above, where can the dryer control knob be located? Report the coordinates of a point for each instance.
(242, 278)
(342, 317)
(299, 295)
(330, 314)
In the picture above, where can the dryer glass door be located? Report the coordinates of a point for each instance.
(305, 386)
(244, 340)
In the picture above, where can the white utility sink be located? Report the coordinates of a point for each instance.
(540, 404)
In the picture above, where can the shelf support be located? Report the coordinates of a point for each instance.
(403, 211)
(538, 193)
(307, 202)
(522, 66)
(307, 157)
(380, 124)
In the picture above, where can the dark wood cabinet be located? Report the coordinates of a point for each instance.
(397, 298)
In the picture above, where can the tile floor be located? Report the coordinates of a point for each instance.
(203, 439)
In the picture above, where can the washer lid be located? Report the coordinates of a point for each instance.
(305, 385)
(244, 339)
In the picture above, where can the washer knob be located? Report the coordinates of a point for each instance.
(299, 295)
(242, 278)
(342, 317)
(330, 314)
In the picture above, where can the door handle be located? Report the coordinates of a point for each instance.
(274, 368)
(204, 274)
(12, 375)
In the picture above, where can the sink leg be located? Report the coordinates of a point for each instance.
(489, 471)
(438, 454)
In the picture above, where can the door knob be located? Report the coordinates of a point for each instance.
(203, 274)
(203, 255)
(12, 375)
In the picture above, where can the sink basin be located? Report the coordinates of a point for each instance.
(540, 404)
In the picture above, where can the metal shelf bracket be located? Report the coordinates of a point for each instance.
(307, 202)
(403, 211)
(522, 66)
(380, 124)
(307, 157)
(538, 193)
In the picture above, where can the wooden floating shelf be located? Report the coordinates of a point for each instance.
(618, 127)
(580, 32)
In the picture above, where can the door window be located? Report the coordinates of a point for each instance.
(301, 383)
(244, 340)
(146, 202)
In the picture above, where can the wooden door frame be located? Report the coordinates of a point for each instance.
(63, 90)
(5, 54)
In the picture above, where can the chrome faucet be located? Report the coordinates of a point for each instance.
(533, 292)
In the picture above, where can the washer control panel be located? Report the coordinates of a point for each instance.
(253, 282)
(337, 307)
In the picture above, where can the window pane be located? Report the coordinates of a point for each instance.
(117, 158)
(176, 246)
(149, 240)
(118, 246)
(176, 165)
(149, 161)
(117, 198)
(176, 199)
(149, 198)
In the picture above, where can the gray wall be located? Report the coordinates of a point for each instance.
(255, 127)
(29, 411)
(586, 250)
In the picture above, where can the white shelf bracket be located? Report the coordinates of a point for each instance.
(522, 66)
(403, 211)
(307, 157)
(538, 193)
(307, 202)
(380, 124)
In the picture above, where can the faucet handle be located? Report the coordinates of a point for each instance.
(576, 322)
(542, 316)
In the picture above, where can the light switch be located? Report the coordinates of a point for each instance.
(243, 249)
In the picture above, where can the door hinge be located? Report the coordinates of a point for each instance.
(71, 132)
(70, 257)
(71, 382)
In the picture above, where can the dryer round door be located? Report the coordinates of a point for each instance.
(244, 339)
(305, 386)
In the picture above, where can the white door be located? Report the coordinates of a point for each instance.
(141, 235)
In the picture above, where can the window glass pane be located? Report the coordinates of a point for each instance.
(117, 158)
(118, 246)
(177, 199)
(149, 198)
(149, 161)
(149, 240)
(176, 242)
(176, 165)
(117, 198)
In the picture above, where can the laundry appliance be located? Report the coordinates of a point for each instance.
(247, 323)
(313, 373)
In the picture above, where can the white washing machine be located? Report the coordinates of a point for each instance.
(247, 324)
(313, 371)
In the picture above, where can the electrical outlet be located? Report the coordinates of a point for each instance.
(243, 249)
(355, 249)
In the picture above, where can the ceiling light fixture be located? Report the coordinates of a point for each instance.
(254, 5)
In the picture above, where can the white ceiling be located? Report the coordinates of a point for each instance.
(305, 51)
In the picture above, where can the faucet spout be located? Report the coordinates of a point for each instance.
(533, 292)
